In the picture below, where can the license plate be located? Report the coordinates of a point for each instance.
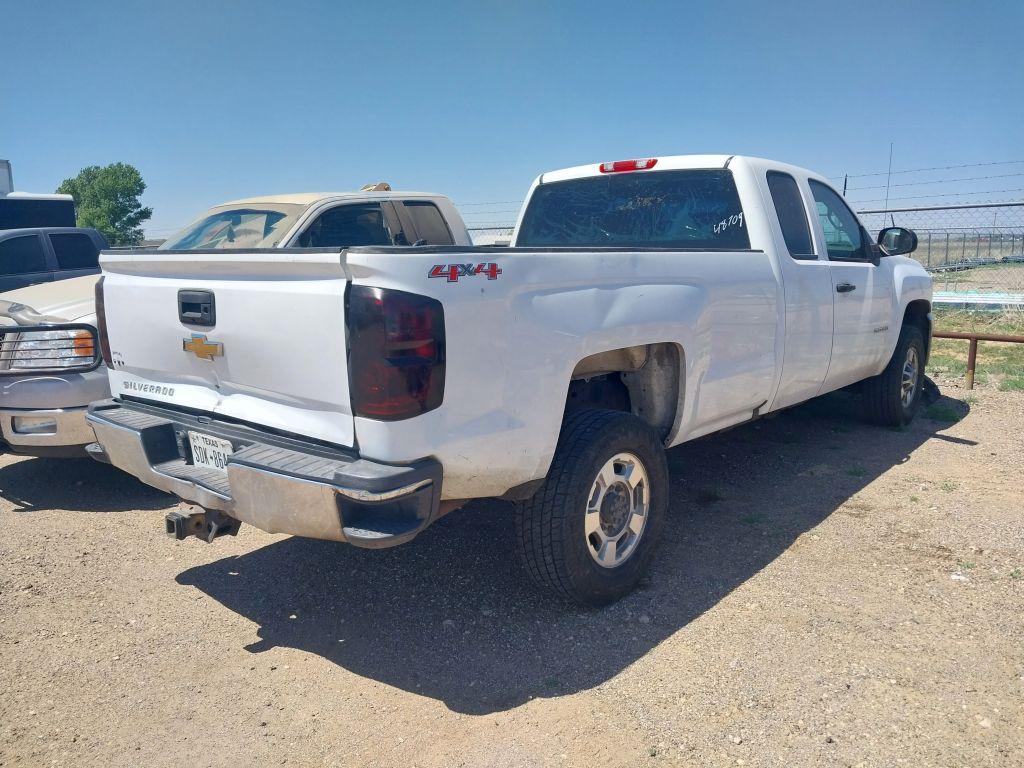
(209, 452)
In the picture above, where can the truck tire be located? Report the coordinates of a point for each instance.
(892, 397)
(589, 533)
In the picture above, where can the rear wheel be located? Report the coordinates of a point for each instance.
(590, 531)
(892, 397)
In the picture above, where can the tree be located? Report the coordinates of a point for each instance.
(107, 199)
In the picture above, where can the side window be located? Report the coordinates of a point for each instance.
(75, 251)
(345, 225)
(19, 255)
(789, 207)
(430, 224)
(842, 230)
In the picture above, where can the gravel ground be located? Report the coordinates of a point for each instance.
(828, 593)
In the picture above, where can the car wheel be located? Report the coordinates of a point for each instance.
(589, 533)
(892, 397)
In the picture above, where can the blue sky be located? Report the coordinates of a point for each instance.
(218, 100)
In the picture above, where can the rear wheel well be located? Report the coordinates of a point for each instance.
(917, 313)
(644, 380)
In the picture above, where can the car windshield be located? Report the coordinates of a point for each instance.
(259, 226)
(659, 209)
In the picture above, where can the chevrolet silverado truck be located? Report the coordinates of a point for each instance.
(357, 394)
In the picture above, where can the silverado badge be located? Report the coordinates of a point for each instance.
(201, 348)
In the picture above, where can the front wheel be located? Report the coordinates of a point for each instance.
(892, 397)
(590, 531)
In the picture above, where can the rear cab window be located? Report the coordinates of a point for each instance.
(74, 250)
(789, 207)
(428, 222)
(682, 209)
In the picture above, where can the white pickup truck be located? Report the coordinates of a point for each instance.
(358, 394)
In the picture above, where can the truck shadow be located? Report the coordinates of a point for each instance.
(38, 485)
(450, 616)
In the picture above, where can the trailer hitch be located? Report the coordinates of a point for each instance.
(206, 524)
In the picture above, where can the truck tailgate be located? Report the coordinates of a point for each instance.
(274, 354)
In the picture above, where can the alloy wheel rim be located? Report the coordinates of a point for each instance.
(616, 512)
(908, 382)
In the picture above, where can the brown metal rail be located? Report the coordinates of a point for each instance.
(972, 351)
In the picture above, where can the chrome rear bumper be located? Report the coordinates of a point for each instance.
(279, 485)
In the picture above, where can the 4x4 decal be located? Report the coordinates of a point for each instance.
(452, 272)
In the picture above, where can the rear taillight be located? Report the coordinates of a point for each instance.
(101, 322)
(620, 166)
(396, 353)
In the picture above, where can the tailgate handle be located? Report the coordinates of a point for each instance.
(197, 307)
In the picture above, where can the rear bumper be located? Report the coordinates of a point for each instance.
(46, 432)
(277, 484)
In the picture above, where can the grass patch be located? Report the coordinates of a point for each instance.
(997, 361)
(856, 471)
(964, 565)
(1016, 574)
(914, 498)
(1013, 384)
(949, 485)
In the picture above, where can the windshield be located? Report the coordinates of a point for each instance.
(259, 226)
(657, 209)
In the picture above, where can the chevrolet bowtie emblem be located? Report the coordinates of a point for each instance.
(201, 348)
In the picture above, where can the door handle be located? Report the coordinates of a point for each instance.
(845, 287)
(197, 307)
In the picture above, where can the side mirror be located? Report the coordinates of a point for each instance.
(896, 241)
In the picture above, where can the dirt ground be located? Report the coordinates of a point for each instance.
(828, 593)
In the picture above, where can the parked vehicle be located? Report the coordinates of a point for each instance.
(373, 216)
(49, 368)
(41, 255)
(359, 395)
(19, 210)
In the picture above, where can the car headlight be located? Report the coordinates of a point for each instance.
(35, 350)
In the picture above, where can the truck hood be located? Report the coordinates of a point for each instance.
(63, 301)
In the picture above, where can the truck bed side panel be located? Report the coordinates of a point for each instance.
(513, 342)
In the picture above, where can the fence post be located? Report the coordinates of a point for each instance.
(972, 358)
(929, 248)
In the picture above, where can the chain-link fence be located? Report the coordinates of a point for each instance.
(975, 253)
(491, 235)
